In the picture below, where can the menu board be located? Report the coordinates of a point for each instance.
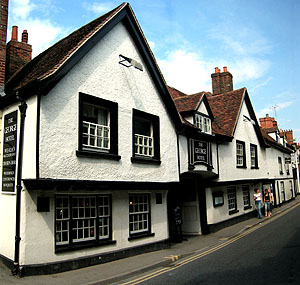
(9, 152)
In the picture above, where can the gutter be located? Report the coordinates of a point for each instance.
(22, 109)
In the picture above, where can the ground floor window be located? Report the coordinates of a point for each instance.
(231, 195)
(282, 191)
(82, 219)
(139, 214)
(246, 196)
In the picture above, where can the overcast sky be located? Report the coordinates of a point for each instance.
(257, 40)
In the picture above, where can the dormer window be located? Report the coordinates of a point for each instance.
(203, 123)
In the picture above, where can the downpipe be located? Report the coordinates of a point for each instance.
(22, 109)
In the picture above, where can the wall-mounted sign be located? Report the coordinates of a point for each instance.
(199, 152)
(9, 152)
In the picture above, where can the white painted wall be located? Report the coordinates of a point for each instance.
(100, 74)
(38, 243)
(227, 152)
(221, 213)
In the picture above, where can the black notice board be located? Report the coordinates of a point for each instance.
(200, 152)
(9, 151)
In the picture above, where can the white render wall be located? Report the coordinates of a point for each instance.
(227, 153)
(38, 242)
(221, 213)
(100, 74)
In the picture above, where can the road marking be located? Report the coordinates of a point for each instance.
(187, 260)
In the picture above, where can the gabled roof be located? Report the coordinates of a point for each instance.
(273, 143)
(43, 72)
(226, 109)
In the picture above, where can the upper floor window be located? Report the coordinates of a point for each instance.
(98, 127)
(203, 123)
(145, 140)
(253, 154)
(287, 165)
(280, 165)
(240, 154)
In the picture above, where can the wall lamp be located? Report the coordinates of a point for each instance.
(126, 61)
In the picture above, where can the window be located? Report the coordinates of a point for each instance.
(280, 165)
(246, 197)
(240, 154)
(98, 127)
(291, 187)
(82, 219)
(231, 196)
(139, 214)
(282, 191)
(203, 123)
(146, 143)
(287, 165)
(253, 155)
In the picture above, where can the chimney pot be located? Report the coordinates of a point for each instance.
(225, 68)
(25, 37)
(216, 70)
(14, 34)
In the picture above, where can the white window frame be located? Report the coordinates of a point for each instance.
(240, 153)
(62, 221)
(203, 123)
(246, 195)
(84, 222)
(104, 216)
(139, 213)
(100, 137)
(253, 155)
(84, 218)
(144, 145)
(232, 199)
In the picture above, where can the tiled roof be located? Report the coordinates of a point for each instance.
(270, 130)
(175, 93)
(271, 142)
(226, 108)
(188, 102)
(54, 57)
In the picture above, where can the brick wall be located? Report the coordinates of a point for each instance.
(3, 34)
(221, 81)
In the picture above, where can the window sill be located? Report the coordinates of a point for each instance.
(233, 212)
(255, 167)
(94, 154)
(141, 235)
(247, 207)
(145, 160)
(81, 245)
(241, 166)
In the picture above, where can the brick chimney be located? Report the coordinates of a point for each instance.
(221, 81)
(17, 53)
(3, 34)
(289, 136)
(267, 122)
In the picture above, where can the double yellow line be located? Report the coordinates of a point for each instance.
(202, 254)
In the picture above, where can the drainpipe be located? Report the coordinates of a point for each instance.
(22, 108)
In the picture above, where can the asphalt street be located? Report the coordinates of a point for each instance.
(268, 255)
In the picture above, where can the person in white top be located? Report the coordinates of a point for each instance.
(258, 202)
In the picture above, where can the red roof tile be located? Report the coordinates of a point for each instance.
(49, 61)
(226, 109)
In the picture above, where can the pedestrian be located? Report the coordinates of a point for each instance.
(258, 202)
(267, 201)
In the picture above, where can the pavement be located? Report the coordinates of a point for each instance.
(116, 271)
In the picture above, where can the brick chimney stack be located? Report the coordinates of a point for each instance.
(267, 122)
(289, 136)
(17, 53)
(3, 35)
(221, 81)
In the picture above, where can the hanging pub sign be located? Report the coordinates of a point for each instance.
(199, 152)
(9, 152)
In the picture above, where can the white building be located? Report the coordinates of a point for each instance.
(85, 174)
